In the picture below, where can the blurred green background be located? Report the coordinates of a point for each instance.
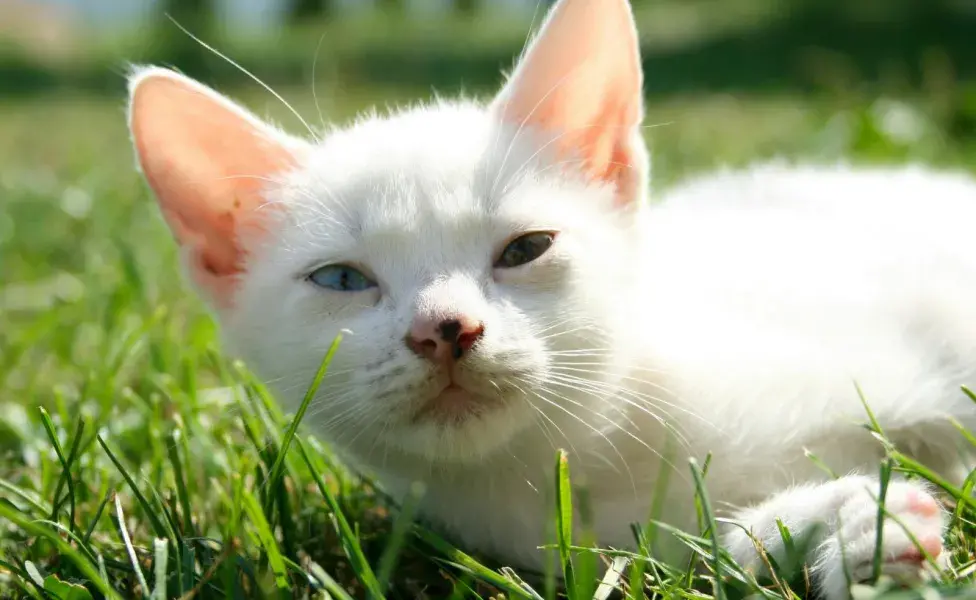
(748, 78)
(690, 46)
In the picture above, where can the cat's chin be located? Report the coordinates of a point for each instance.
(458, 426)
(454, 406)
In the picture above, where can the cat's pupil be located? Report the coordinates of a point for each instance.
(341, 278)
(525, 249)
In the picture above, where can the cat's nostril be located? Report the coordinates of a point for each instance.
(468, 338)
(461, 336)
(426, 348)
(450, 330)
(444, 340)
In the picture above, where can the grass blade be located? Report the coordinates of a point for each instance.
(970, 393)
(168, 522)
(128, 546)
(189, 566)
(71, 535)
(564, 522)
(706, 507)
(611, 579)
(963, 431)
(910, 465)
(36, 504)
(967, 490)
(350, 542)
(253, 510)
(878, 549)
(875, 425)
(465, 563)
(161, 557)
(96, 518)
(585, 566)
(820, 464)
(172, 450)
(76, 557)
(31, 580)
(279, 462)
(327, 582)
(401, 527)
(65, 477)
(158, 528)
(648, 536)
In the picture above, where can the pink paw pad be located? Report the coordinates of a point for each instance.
(911, 555)
(931, 544)
(922, 504)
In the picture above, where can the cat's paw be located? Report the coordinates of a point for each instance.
(848, 506)
(850, 549)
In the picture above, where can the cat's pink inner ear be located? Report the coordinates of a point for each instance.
(208, 163)
(580, 80)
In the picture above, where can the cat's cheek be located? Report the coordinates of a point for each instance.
(331, 305)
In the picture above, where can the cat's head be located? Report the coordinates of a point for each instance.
(480, 257)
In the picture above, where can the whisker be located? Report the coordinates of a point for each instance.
(647, 446)
(246, 72)
(525, 395)
(554, 325)
(315, 96)
(603, 364)
(621, 394)
(544, 427)
(580, 386)
(566, 332)
(681, 408)
(623, 461)
(366, 426)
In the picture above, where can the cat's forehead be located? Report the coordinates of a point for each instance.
(436, 140)
(417, 168)
(441, 171)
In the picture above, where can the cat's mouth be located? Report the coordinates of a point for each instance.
(453, 405)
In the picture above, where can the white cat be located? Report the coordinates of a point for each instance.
(509, 291)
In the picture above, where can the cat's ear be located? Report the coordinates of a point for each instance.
(209, 163)
(580, 82)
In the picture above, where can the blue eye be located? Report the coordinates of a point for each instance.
(341, 278)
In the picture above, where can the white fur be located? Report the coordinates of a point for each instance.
(848, 508)
(740, 308)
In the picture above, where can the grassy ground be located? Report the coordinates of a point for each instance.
(128, 463)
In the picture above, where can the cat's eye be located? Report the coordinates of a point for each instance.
(525, 249)
(341, 278)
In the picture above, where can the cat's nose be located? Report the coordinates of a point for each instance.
(442, 340)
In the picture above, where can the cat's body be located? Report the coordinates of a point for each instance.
(508, 290)
(775, 282)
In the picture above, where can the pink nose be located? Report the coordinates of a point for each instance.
(442, 340)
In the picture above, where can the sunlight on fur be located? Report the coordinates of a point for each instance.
(739, 306)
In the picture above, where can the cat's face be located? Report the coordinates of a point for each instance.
(476, 257)
(435, 230)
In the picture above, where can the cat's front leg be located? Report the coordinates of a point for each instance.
(847, 508)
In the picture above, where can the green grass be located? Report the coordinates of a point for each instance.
(135, 458)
